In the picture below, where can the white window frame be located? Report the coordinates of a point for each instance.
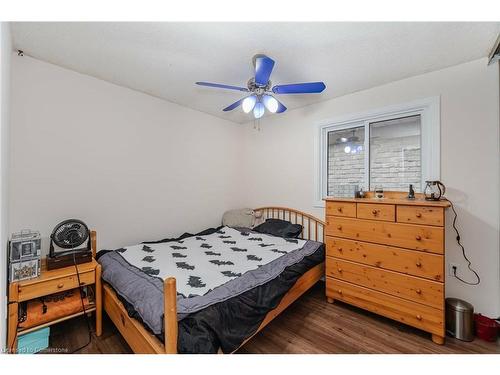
(430, 122)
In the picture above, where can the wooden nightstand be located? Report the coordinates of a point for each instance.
(50, 282)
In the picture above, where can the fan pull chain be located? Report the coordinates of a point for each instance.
(256, 124)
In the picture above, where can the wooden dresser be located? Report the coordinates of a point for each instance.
(387, 256)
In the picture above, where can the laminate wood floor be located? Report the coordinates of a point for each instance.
(310, 325)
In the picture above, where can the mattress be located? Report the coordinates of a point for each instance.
(227, 309)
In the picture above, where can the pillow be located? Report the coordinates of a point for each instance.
(243, 217)
(279, 228)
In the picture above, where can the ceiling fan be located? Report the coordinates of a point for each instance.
(261, 89)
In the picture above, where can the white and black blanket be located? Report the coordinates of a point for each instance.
(208, 269)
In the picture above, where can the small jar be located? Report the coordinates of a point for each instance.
(379, 192)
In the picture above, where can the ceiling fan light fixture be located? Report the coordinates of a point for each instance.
(260, 89)
(270, 103)
(258, 110)
(248, 104)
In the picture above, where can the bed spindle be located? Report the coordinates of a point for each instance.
(302, 220)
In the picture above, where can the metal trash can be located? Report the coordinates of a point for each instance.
(460, 319)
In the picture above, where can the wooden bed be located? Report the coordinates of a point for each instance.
(141, 340)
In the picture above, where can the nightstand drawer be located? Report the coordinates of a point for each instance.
(29, 291)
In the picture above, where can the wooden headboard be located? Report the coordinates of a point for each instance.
(312, 227)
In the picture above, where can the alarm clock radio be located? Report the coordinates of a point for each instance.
(24, 255)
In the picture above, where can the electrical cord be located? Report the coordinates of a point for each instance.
(469, 263)
(83, 308)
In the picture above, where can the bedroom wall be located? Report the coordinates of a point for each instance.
(5, 54)
(131, 166)
(281, 162)
(85, 148)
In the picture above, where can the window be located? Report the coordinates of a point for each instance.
(390, 148)
(395, 154)
(346, 160)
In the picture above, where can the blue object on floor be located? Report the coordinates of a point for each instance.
(33, 342)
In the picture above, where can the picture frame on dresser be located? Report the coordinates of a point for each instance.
(387, 256)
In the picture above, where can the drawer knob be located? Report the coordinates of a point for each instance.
(418, 214)
(339, 209)
(339, 227)
(418, 291)
(60, 285)
(339, 291)
(418, 237)
(339, 269)
(374, 212)
(419, 317)
(418, 264)
(339, 249)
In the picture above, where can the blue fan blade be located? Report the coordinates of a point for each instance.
(220, 86)
(281, 107)
(234, 105)
(263, 68)
(300, 88)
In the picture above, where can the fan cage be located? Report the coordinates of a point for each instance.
(69, 234)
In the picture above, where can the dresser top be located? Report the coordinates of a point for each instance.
(401, 201)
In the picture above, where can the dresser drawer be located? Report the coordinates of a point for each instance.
(411, 288)
(421, 215)
(417, 263)
(417, 315)
(36, 289)
(372, 211)
(346, 209)
(417, 237)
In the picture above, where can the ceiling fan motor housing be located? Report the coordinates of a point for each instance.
(261, 89)
(256, 89)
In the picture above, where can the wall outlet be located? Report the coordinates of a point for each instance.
(450, 268)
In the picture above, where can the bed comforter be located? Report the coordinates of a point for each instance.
(228, 280)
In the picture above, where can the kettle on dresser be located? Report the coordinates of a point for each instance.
(434, 190)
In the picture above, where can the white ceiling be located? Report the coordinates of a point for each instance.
(165, 59)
